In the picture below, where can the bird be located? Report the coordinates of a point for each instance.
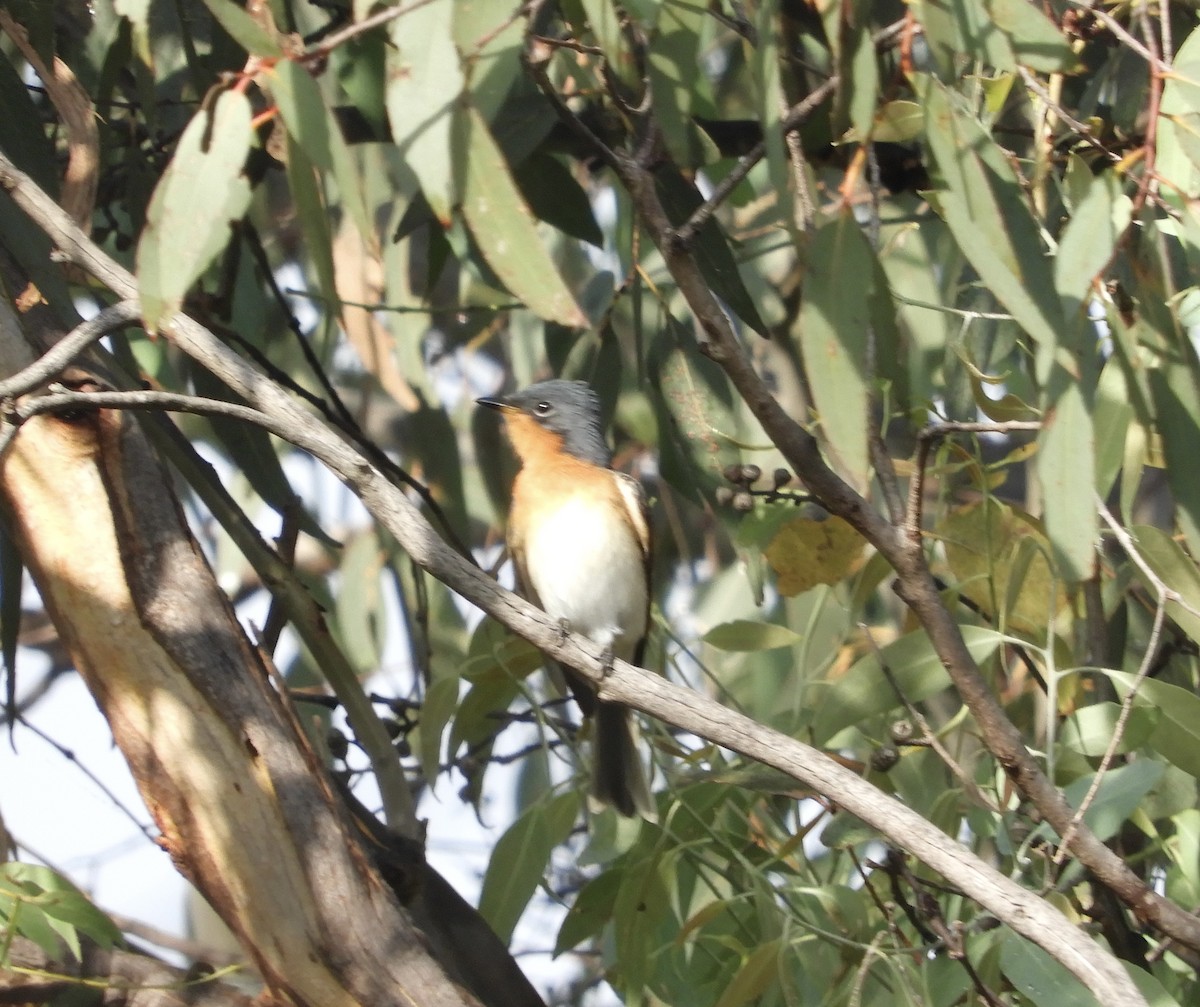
(579, 536)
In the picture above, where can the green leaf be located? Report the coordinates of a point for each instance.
(592, 909)
(1086, 245)
(504, 228)
(424, 84)
(673, 66)
(759, 970)
(1039, 977)
(696, 418)
(311, 124)
(1121, 791)
(555, 197)
(1175, 568)
(1037, 42)
(744, 635)
(1090, 729)
(1178, 158)
(313, 217)
(247, 32)
(1066, 462)
(490, 39)
(769, 101)
(178, 244)
(864, 692)
(834, 332)
(65, 908)
(1113, 415)
(358, 603)
(519, 861)
(441, 700)
(1176, 395)
(981, 201)
(710, 248)
(1176, 734)
(898, 122)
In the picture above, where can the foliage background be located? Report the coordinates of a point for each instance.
(973, 254)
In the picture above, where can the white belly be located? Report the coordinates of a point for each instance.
(600, 587)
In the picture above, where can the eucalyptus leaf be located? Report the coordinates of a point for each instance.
(178, 244)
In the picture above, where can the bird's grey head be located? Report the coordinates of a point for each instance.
(570, 409)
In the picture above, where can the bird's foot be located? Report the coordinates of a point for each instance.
(564, 630)
(607, 656)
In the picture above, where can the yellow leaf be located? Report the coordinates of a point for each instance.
(988, 545)
(805, 553)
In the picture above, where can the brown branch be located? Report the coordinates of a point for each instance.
(1022, 910)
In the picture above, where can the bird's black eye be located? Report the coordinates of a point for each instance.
(543, 408)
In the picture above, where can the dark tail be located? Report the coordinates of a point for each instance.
(618, 777)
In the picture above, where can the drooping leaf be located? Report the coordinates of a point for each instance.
(1037, 42)
(760, 969)
(805, 553)
(1090, 729)
(673, 65)
(555, 197)
(1066, 463)
(424, 85)
(1040, 978)
(1177, 411)
(833, 328)
(519, 861)
(178, 244)
(503, 226)
(982, 203)
(1086, 245)
(695, 411)
(982, 546)
(1120, 792)
(489, 37)
(1177, 570)
(710, 247)
(247, 32)
(312, 125)
(1178, 156)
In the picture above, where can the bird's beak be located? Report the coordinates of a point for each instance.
(500, 403)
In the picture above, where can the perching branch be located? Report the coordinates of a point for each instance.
(1021, 909)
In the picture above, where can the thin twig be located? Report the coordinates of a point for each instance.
(928, 736)
(925, 441)
(795, 118)
(1081, 129)
(1164, 594)
(1122, 34)
(63, 353)
(327, 45)
(61, 399)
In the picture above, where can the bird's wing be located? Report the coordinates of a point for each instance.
(637, 510)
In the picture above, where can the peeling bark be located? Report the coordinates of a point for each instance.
(245, 811)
